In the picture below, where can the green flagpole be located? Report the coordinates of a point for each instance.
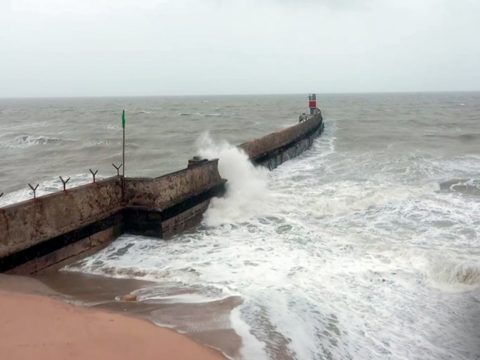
(124, 120)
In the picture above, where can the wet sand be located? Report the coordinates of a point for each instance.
(36, 325)
(206, 323)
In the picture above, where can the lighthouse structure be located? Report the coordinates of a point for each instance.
(314, 110)
(312, 103)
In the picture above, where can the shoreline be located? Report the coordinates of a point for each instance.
(207, 323)
(40, 323)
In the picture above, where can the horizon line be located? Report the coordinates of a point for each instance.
(237, 94)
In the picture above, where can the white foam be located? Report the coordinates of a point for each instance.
(336, 255)
(448, 272)
(247, 186)
(251, 347)
(32, 140)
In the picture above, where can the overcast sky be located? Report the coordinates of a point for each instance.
(178, 47)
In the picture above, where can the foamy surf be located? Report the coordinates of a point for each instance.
(327, 262)
(27, 141)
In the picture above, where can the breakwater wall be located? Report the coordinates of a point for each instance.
(274, 149)
(50, 231)
(64, 226)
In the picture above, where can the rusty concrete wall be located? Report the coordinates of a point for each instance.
(276, 158)
(70, 253)
(31, 222)
(185, 220)
(165, 191)
(271, 142)
(53, 230)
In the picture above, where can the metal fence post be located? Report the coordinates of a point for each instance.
(117, 168)
(34, 189)
(94, 173)
(64, 182)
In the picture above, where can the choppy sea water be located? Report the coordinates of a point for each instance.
(367, 246)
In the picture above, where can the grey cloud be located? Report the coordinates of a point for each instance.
(148, 47)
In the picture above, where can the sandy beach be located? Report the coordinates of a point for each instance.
(41, 327)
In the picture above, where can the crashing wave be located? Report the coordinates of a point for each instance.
(30, 140)
(455, 274)
(247, 185)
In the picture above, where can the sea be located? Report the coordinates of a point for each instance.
(366, 246)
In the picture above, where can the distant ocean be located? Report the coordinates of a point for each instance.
(367, 246)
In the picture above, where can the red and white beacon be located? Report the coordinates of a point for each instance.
(312, 103)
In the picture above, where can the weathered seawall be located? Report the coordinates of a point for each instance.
(274, 149)
(169, 204)
(53, 230)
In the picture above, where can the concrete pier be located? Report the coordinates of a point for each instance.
(53, 230)
(276, 148)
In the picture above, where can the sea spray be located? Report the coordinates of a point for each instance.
(247, 186)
